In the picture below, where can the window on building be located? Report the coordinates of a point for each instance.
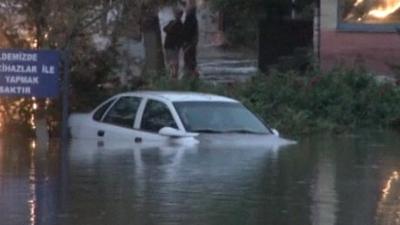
(369, 15)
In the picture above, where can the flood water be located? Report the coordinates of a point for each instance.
(346, 179)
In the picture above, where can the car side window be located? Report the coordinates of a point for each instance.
(123, 112)
(98, 115)
(156, 116)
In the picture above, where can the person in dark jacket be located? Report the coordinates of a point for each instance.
(173, 42)
(190, 40)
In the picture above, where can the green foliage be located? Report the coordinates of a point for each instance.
(335, 100)
(163, 82)
(50, 24)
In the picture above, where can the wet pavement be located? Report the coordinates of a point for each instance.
(348, 179)
(217, 65)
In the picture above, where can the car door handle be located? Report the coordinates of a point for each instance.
(138, 140)
(100, 133)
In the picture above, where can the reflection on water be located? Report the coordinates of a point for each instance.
(162, 185)
(27, 182)
(32, 202)
(387, 189)
(324, 196)
(389, 204)
(322, 180)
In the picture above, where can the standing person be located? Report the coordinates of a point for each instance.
(190, 39)
(173, 42)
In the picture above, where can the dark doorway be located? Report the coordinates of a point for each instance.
(281, 39)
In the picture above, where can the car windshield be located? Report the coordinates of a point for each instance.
(219, 117)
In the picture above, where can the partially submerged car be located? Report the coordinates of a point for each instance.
(151, 116)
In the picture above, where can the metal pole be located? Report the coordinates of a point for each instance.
(65, 98)
(64, 162)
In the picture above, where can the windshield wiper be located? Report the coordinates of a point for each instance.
(237, 131)
(244, 131)
(208, 131)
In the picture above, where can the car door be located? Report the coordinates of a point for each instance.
(118, 121)
(156, 115)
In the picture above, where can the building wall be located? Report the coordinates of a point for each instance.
(375, 51)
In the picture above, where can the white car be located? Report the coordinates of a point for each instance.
(151, 116)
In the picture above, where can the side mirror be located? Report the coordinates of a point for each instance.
(175, 133)
(275, 132)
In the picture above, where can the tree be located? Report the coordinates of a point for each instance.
(55, 24)
(152, 38)
(190, 38)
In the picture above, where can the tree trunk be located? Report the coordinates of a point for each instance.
(152, 42)
(191, 38)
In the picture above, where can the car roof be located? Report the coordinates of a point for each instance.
(181, 96)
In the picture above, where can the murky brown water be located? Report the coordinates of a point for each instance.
(326, 180)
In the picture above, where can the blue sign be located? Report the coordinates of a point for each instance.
(33, 73)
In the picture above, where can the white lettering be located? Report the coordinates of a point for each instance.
(15, 90)
(22, 80)
(48, 69)
(7, 68)
(19, 56)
